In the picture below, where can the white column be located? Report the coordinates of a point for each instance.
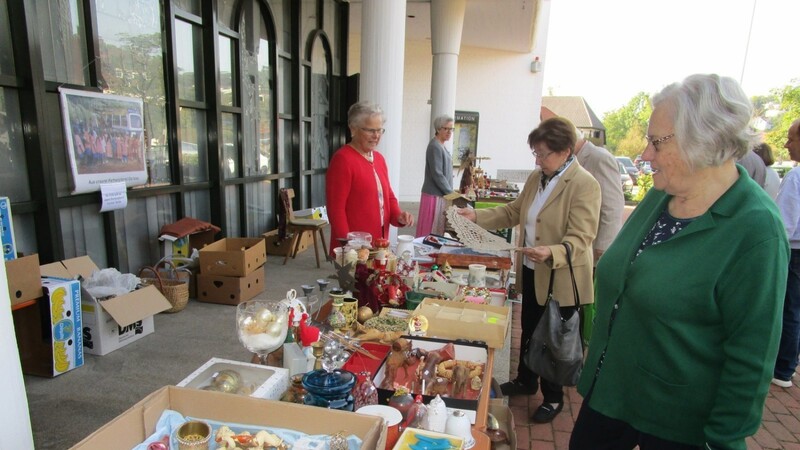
(447, 20)
(383, 35)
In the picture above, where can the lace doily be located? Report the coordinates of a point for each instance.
(473, 236)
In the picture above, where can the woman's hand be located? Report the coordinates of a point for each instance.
(406, 219)
(467, 213)
(537, 254)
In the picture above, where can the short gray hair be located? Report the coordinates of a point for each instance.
(361, 111)
(441, 121)
(710, 115)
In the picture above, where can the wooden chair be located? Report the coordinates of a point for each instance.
(299, 227)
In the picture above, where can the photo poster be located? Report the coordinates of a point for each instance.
(465, 136)
(105, 139)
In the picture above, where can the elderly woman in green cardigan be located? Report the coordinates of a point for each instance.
(689, 296)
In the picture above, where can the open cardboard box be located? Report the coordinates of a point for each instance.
(24, 281)
(134, 425)
(463, 352)
(504, 416)
(115, 322)
(258, 381)
(233, 257)
(469, 321)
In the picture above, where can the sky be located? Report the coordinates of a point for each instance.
(609, 50)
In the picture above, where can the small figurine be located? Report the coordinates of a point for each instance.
(460, 377)
(397, 358)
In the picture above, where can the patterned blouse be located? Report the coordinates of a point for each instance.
(665, 227)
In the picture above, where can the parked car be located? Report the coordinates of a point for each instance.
(633, 171)
(644, 167)
(627, 181)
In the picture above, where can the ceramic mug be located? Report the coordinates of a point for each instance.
(477, 275)
(350, 311)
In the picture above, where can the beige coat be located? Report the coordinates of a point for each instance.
(570, 214)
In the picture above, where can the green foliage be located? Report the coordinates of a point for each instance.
(789, 98)
(628, 195)
(626, 126)
(645, 182)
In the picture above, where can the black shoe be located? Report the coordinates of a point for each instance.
(516, 387)
(546, 413)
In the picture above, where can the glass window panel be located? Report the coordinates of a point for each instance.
(25, 233)
(137, 225)
(281, 12)
(194, 147)
(308, 18)
(260, 207)
(318, 190)
(331, 29)
(6, 51)
(287, 149)
(227, 74)
(63, 41)
(83, 234)
(233, 226)
(225, 13)
(257, 94)
(319, 94)
(190, 6)
(189, 56)
(230, 146)
(132, 65)
(198, 205)
(285, 69)
(13, 166)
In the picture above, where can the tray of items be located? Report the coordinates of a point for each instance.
(454, 370)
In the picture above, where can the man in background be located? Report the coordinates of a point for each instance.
(755, 167)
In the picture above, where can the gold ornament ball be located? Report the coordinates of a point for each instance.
(364, 314)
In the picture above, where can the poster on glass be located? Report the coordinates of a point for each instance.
(104, 134)
(465, 137)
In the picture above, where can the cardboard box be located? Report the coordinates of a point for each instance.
(505, 418)
(460, 320)
(134, 425)
(24, 280)
(115, 322)
(49, 332)
(233, 257)
(463, 352)
(258, 381)
(281, 248)
(7, 230)
(182, 247)
(229, 290)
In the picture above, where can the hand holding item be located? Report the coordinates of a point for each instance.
(536, 254)
(406, 219)
(467, 213)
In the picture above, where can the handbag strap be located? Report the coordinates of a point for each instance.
(571, 275)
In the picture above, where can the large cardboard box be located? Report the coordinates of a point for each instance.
(281, 248)
(134, 425)
(229, 290)
(233, 257)
(182, 247)
(257, 381)
(115, 322)
(24, 281)
(7, 230)
(49, 332)
(461, 320)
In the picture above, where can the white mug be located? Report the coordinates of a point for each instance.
(477, 275)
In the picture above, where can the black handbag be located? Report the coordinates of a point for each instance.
(555, 351)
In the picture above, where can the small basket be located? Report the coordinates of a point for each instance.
(176, 291)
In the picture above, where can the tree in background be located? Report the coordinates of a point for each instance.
(789, 99)
(626, 126)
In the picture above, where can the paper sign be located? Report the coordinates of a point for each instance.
(114, 196)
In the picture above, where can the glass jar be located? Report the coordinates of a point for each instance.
(296, 392)
(330, 389)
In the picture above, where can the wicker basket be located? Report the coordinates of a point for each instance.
(176, 291)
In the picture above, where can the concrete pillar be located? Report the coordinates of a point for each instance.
(383, 35)
(447, 21)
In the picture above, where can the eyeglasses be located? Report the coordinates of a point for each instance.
(540, 155)
(447, 128)
(377, 131)
(656, 142)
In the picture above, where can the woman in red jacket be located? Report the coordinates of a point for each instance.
(359, 197)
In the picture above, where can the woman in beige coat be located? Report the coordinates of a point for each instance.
(560, 203)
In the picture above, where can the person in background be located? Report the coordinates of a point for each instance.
(689, 334)
(754, 166)
(788, 201)
(359, 197)
(559, 203)
(772, 181)
(604, 168)
(438, 179)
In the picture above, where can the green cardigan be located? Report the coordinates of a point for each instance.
(690, 354)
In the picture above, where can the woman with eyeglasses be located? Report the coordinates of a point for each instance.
(689, 296)
(359, 197)
(438, 179)
(559, 203)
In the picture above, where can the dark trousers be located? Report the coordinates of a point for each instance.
(789, 348)
(595, 431)
(532, 312)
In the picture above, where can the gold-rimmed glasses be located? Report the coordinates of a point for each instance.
(541, 155)
(377, 131)
(655, 142)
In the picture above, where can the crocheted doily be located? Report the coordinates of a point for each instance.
(473, 236)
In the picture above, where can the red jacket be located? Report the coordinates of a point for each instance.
(352, 195)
